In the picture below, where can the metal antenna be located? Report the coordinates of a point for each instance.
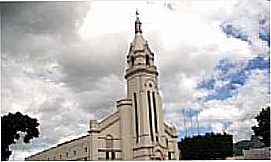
(197, 120)
(184, 123)
(191, 122)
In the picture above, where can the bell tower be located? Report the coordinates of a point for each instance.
(142, 89)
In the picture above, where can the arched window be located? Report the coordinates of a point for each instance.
(109, 141)
(147, 60)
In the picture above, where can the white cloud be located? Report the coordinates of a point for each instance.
(241, 129)
(74, 64)
(221, 113)
(241, 108)
(217, 127)
(249, 99)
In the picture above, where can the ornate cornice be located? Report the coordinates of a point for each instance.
(133, 71)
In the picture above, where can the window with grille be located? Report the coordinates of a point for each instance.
(109, 143)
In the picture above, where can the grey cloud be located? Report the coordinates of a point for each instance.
(58, 18)
(85, 62)
(39, 29)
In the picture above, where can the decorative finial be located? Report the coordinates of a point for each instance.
(137, 23)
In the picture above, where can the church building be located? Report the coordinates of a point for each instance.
(136, 130)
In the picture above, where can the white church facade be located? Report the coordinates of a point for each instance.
(136, 130)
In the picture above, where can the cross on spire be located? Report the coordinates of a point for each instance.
(137, 13)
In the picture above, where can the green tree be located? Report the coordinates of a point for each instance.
(12, 125)
(263, 129)
(207, 147)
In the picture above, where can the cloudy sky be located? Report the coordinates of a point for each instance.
(63, 63)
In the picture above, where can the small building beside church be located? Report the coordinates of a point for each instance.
(137, 130)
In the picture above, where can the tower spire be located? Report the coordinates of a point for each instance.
(137, 23)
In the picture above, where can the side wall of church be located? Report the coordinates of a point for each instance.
(75, 150)
(91, 147)
(110, 133)
(107, 139)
